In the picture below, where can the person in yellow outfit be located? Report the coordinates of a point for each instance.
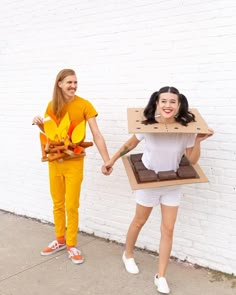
(65, 176)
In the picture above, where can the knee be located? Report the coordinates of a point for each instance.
(70, 209)
(138, 223)
(167, 231)
(58, 205)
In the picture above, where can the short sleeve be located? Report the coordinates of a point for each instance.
(191, 140)
(89, 111)
(139, 136)
(48, 112)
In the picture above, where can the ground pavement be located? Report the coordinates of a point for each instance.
(23, 271)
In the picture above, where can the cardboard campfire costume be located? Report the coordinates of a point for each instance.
(64, 140)
(139, 176)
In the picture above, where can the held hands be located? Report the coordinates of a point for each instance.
(107, 168)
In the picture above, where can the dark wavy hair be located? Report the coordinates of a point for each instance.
(184, 116)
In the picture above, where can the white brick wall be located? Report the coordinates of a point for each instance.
(122, 51)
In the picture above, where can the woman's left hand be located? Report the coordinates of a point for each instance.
(200, 137)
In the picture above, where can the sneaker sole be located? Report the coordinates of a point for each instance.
(77, 261)
(53, 252)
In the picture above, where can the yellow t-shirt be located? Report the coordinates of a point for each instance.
(79, 109)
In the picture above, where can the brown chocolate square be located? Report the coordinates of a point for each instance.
(167, 175)
(147, 175)
(186, 172)
(136, 157)
(184, 161)
(139, 166)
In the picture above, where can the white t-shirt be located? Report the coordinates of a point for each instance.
(164, 151)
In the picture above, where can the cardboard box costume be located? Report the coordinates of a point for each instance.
(186, 174)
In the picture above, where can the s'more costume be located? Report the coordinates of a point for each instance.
(163, 163)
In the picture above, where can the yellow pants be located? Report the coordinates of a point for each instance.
(65, 184)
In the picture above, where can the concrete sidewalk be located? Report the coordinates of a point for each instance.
(23, 271)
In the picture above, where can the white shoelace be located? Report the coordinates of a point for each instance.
(54, 244)
(74, 252)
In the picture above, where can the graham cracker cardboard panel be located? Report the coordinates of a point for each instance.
(136, 186)
(135, 125)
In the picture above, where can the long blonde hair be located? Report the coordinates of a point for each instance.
(58, 100)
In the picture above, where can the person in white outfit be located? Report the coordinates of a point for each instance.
(162, 152)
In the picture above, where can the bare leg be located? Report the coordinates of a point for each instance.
(141, 215)
(169, 214)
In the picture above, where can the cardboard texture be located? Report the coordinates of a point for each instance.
(135, 125)
(136, 186)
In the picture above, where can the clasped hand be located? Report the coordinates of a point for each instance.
(107, 168)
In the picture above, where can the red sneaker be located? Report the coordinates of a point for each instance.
(75, 255)
(53, 247)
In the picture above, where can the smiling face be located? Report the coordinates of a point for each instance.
(168, 106)
(68, 87)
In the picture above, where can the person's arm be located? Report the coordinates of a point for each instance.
(125, 148)
(38, 120)
(98, 139)
(193, 153)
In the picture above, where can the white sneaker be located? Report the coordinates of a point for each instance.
(161, 284)
(130, 265)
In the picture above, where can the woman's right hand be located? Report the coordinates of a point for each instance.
(107, 168)
(37, 120)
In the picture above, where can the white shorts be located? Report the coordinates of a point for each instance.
(151, 197)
